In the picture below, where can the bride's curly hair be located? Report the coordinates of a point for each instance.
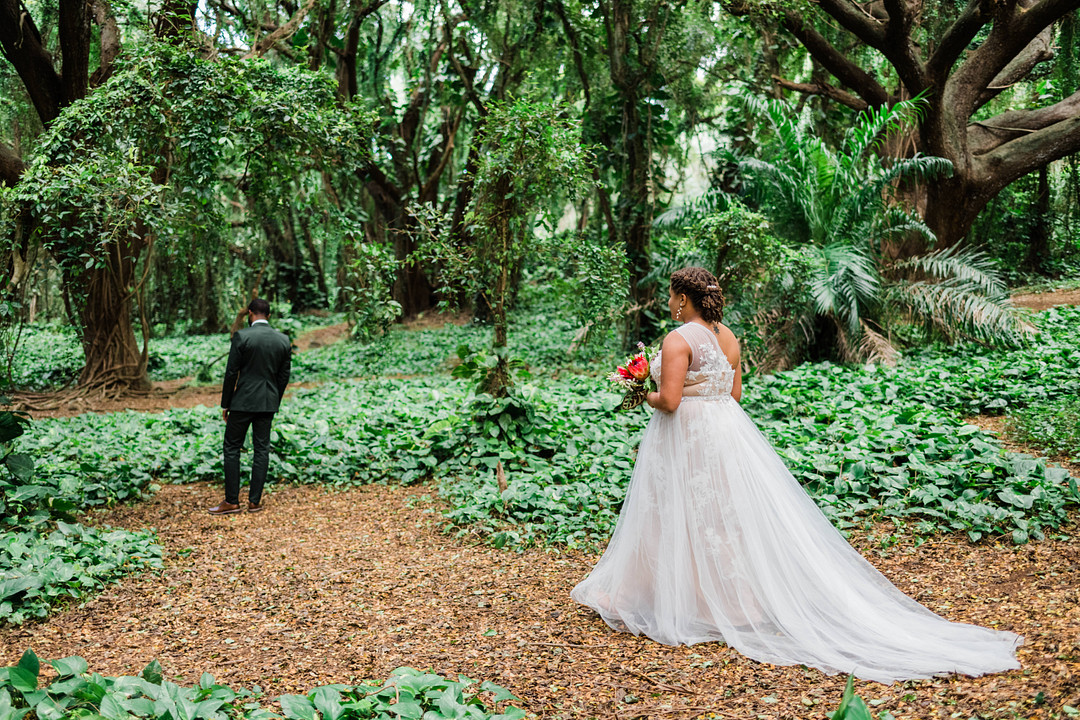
(703, 289)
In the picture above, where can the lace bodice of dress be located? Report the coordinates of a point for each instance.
(710, 373)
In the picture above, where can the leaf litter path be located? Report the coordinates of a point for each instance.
(341, 586)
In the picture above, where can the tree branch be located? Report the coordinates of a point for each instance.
(1025, 154)
(823, 89)
(575, 45)
(900, 49)
(470, 90)
(110, 41)
(988, 135)
(282, 33)
(22, 46)
(74, 34)
(381, 186)
(1037, 51)
(851, 17)
(957, 38)
(842, 68)
(1013, 30)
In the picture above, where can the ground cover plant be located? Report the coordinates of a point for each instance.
(42, 569)
(1052, 426)
(50, 356)
(75, 692)
(549, 463)
(867, 442)
(44, 560)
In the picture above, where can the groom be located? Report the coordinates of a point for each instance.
(255, 379)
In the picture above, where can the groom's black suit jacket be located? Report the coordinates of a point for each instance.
(257, 373)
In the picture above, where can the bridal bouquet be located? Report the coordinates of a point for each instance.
(633, 377)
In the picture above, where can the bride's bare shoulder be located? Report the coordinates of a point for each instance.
(674, 341)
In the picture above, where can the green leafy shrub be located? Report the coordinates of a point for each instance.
(1054, 426)
(43, 560)
(47, 357)
(41, 569)
(369, 295)
(77, 693)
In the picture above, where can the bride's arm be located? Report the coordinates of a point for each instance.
(736, 386)
(675, 363)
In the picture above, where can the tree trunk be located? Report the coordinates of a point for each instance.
(411, 289)
(633, 214)
(1039, 244)
(295, 275)
(952, 204)
(629, 69)
(114, 360)
(498, 380)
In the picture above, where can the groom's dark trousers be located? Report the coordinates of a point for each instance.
(256, 376)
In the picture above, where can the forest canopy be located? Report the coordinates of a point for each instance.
(863, 174)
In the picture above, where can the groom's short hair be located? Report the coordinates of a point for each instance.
(259, 307)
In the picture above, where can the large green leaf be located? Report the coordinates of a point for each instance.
(69, 666)
(297, 707)
(14, 586)
(12, 425)
(112, 707)
(328, 702)
(152, 673)
(20, 465)
(22, 680)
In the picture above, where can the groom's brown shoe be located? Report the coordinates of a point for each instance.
(225, 508)
(255, 507)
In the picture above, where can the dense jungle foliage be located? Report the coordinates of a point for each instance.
(378, 158)
(866, 184)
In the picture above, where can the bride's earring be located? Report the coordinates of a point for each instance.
(678, 313)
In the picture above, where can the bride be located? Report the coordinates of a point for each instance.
(717, 541)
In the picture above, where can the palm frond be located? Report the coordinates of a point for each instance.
(873, 124)
(898, 222)
(958, 308)
(846, 284)
(965, 265)
(875, 347)
(680, 217)
(919, 167)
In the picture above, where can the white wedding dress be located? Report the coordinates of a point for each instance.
(717, 541)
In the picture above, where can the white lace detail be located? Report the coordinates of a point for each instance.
(710, 374)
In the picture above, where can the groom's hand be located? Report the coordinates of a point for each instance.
(225, 414)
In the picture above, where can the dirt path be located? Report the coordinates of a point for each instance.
(338, 587)
(320, 337)
(1047, 300)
